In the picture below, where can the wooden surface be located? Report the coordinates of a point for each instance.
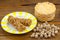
(8, 6)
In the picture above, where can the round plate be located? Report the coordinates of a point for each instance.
(10, 29)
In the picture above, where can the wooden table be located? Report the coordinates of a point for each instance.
(8, 6)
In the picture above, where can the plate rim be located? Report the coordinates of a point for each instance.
(18, 33)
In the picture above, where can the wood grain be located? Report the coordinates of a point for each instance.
(24, 2)
(9, 6)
